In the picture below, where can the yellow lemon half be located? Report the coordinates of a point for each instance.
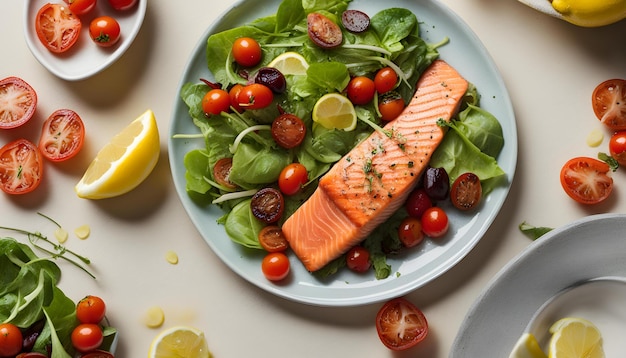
(290, 63)
(179, 341)
(334, 110)
(527, 347)
(574, 338)
(591, 13)
(123, 163)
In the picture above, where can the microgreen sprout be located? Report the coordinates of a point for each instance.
(57, 251)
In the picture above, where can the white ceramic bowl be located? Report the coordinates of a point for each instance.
(85, 58)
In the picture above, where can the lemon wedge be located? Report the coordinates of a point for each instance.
(333, 110)
(574, 338)
(290, 63)
(527, 347)
(591, 13)
(123, 163)
(179, 341)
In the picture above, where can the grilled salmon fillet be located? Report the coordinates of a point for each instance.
(372, 181)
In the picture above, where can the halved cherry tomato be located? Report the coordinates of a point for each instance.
(87, 337)
(410, 232)
(62, 135)
(435, 222)
(292, 178)
(215, 102)
(586, 180)
(247, 52)
(323, 31)
(90, 309)
(18, 102)
(361, 90)
(104, 31)
(390, 105)
(609, 103)
(617, 147)
(268, 205)
(275, 266)
(221, 172)
(288, 130)
(81, 7)
(358, 259)
(466, 191)
(417, 203)
(123, 4)
(255, 96)
(21, 167)
(57, 27)
(10, 340)
(272, 239)
(401, 325)
(385, 80)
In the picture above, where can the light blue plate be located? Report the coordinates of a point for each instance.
(466, 53)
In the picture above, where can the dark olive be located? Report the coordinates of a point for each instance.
(436, 183)
(355, 21)
(272, 78)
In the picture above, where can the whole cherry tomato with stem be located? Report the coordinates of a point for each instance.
(255, 96)
(247, 52)
(215, 102)
(10, 340)
(105, 31)
(90, 309)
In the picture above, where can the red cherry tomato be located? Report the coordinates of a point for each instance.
(104, 31)
(288, 130)
(10, 340)
(417, 203)
(247, 52)
(215, 102)
(21, 167)
(122, 4)
(268, 205)
(57, 27)
(401, 325)
(410, 232)
(361, 90)
(586, 180)
(81, 7)
(466, 191)
(609, 103)
(97, 354)
(62, 135)
(18, 102)
(233, 93)
(390, 105)
(323, 31)
(385, 80)
(255, 96)
(31, 355)
(90, 309)
(272, 239)
(87, 337)
(617, 147)
(292, 178)
(358, 259)
(221, 172)
(435, 222)
(275, 266)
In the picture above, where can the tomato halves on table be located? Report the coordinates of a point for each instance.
(21, 167)
(401, 325)
(586, 180)
(18, 101)
(62, 135)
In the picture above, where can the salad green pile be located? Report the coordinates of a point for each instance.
(392, 40)
(31, 300)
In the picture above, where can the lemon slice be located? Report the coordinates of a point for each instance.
(527, 347)
(335, 111)
(290, 63)
(179, 341)
(124, 162)
(575, 337)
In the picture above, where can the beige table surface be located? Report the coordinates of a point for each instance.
(550, 68)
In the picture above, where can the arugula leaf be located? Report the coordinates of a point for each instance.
(533, 232)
